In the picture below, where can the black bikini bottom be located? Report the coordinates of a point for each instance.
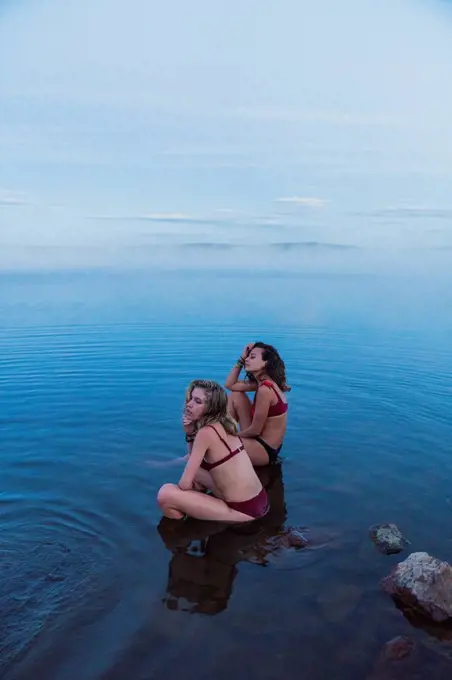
(272, 453)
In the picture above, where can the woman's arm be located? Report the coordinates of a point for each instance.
(262, 405)
(190, 433)
(198, 450)
(232, 381)
(233, 376)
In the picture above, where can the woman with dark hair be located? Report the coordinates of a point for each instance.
(263, 422)
(217, 461)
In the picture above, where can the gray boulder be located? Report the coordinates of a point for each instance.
(387, 538)
(423, 583)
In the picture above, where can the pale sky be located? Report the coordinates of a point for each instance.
(130, 129)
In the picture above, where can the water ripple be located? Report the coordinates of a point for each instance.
(88, 406)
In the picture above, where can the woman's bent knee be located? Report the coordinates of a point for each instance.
(231, 403)
(166, 493)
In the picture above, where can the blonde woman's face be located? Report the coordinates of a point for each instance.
(196, 404)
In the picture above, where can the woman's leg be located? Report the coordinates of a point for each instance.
(256, 452)
(239, 406)
(204, 480)
(175, 503)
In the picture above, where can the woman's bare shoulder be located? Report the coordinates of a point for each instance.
(205, 432)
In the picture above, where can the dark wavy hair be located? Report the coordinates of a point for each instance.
(275, 368)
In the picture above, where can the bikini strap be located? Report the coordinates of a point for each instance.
(267, 383)
(220, 437)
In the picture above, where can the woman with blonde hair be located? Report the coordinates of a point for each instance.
(217, 461)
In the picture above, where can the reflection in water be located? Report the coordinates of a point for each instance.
(206, 554)
(440, 631)
(369, 439)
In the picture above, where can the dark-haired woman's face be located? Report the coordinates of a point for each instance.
(196, 404)
(254, 362)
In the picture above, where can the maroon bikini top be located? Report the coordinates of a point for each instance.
(277, 409)
(210, 466)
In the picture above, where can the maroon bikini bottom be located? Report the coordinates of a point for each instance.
(255, 507)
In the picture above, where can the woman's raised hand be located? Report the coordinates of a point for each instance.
(247, 349)
(188, 424)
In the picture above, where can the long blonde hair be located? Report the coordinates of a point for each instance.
(216, 405)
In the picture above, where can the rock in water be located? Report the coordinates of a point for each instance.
(423, 583)
(402, 659)
(387, 538)
(398, 648)
(296, 539)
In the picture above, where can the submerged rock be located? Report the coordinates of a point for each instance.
(423, 583)
(295, 539)
(439, 631)
(288, 538)
(403, 659)
(387, 538)
(398, 648)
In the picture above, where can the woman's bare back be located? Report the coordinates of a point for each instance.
(235, 477)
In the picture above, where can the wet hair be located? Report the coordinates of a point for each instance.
(275, 368)
(216, 405)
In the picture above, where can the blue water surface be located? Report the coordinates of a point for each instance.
(93, 368)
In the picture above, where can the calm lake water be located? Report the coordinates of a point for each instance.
(93, 368)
